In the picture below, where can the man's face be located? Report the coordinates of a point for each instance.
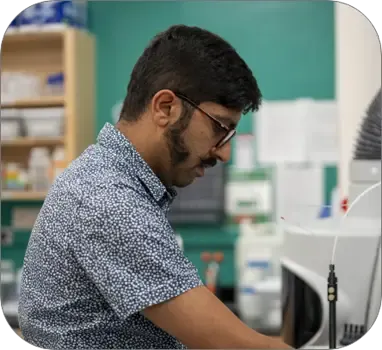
(192, 142)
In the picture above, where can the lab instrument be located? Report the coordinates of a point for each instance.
(336, 310)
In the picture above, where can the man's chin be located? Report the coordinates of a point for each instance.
(185, 182)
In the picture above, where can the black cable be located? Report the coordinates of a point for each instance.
(332, 298)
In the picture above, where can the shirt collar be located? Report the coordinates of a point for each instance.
(111, 138)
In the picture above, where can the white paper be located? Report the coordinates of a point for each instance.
(299, 193)
(322, 131)
(244, 152)
(281, 131)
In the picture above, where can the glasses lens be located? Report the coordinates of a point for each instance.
(226, 138)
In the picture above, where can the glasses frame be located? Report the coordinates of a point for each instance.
(229, 133)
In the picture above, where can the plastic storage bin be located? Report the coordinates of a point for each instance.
(17, 86)
(44, 122)
(11, 127)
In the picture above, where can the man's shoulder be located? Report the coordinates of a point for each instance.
(116, 201)
(98, 175)
(122, 212)
(100, 187)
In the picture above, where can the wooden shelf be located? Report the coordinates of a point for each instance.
(22, 195)
(71, 52)
(32, 142)
(20, 38)
(51, 101)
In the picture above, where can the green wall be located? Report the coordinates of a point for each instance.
(288, 44)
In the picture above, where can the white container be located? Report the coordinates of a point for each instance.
(44, 122)
(273, 318)
(260, 239)
(39, 169)
(249, 301)
(58, 162)
(10, 129)
(270, 289)
(29, 86)
(17, 85)
(6, 82)
(10, 124)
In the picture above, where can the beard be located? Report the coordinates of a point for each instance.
(179, 152)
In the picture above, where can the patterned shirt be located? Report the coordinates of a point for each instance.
(101, 251)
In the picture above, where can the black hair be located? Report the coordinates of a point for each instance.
(193, 62)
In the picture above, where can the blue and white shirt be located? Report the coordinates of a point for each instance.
(101, 251)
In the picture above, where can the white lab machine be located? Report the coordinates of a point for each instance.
(308, 251)
(305, 260)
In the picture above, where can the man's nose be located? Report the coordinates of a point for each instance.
(223, 154)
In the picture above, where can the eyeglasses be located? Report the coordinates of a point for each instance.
(229, 133)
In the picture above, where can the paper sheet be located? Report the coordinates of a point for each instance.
(299, 193)
(323, 137)
(244, 152)
(280, 131)
(297, 132)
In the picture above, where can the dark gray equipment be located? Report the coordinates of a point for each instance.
(368, 146)
(203, 202)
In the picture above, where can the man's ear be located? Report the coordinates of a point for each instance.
(165, 108)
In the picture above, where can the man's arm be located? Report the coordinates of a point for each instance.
(199, 320)
(128, 250)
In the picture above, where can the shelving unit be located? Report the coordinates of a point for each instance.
(22, 196)
(50, 101)
(32, 142)
(71, 52)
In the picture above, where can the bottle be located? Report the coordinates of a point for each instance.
(39, 168)
(12, 176)
(58, 163)
(250, 303)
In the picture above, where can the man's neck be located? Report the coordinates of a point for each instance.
(139, 136)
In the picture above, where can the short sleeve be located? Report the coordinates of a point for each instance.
(126, 246)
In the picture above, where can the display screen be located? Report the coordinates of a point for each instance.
(203, 202)
(301, 310)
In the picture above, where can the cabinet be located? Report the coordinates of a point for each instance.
(69, 53)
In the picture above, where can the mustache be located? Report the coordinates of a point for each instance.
(209, 163)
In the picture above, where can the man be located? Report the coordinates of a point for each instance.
(103, 268)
